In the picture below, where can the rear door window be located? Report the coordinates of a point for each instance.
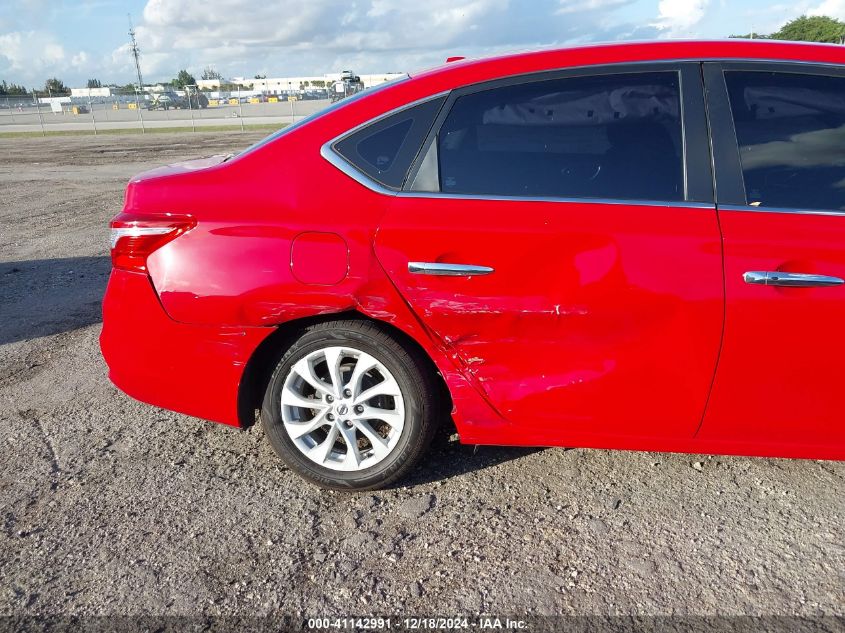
(614, 136)
(790, 128)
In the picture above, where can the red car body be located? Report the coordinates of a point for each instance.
(612, 325)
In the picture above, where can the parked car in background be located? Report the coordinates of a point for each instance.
(161, 101)
(633, 246)
(172, 100)
(349, 84)
(198, 100)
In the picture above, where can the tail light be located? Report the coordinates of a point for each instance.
(135, 236)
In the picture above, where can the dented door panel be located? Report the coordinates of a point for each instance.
(597, 318)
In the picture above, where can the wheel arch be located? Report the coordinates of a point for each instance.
(265, 358)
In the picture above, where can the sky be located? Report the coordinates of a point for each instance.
(75, 40)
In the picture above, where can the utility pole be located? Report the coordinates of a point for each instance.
(136, 52)
(190, 105)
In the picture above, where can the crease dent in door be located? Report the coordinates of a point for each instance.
(598, 320)
(472, 417)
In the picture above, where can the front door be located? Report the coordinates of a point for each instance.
(782, 212)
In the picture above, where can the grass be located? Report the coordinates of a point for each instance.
(258, 127)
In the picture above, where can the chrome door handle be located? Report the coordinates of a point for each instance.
(447, 270)
(791, 280)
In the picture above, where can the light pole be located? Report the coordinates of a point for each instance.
(38, 107)
(91, 107)
(240, 108)
(140, 114)
(190, 105)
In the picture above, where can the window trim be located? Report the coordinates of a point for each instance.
(347, 168)
(728, 175)
(719, 150)
(695, 135)
(697, 162)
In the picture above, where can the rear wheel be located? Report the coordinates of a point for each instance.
(350, 407)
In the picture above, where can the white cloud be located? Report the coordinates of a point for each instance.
(242, 37)
(30, 57)
(580, 6)
(245, 37)
(833, 8)
(80, 60)
(29, 50)
(678, 18)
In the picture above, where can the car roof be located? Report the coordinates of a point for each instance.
(639, 51)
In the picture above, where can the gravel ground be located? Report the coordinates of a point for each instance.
(110, 506)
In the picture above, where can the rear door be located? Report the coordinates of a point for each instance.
(558, 237)
(779, 140)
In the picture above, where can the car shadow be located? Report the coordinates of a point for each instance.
(448, 458)
(42, 297)
(45, 297)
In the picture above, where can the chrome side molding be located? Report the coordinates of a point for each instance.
(790, 280)
(447, 270)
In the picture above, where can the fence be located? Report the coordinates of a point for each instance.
(145, 111)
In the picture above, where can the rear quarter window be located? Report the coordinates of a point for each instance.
(384, 149)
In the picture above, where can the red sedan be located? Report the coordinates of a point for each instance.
(633, 246)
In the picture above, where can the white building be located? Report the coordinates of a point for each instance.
(277, 85)
(90, 92)
(208, 84)
(272, 85)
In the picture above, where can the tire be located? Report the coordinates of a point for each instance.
(386, 433)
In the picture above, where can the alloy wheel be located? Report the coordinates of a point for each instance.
(342, 408)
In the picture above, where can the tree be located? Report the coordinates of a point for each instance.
(210, 73)
(54, 86)
(752, 36)
(11, 89)
(260, 77)
(184, 78)
(814, 28)
(94, 83)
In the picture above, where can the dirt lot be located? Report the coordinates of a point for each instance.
(111, 506)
